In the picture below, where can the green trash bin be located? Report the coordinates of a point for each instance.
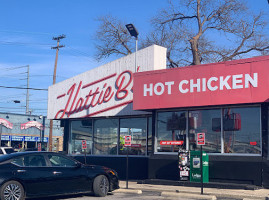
(195, 171)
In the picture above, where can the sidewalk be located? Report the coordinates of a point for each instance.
(194, 192)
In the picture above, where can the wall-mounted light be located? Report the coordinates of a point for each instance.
(7, 117)
(28, 119)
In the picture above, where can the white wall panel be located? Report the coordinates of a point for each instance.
(78, 96)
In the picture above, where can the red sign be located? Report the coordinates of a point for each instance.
(200, 138)
(39, 147)
(6, 123)
(32, 124)
(233, 82)
(253, 143)
(84, 144)
(180, 142)
(127, 141)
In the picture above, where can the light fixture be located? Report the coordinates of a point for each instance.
(132, 30)
(7, 117)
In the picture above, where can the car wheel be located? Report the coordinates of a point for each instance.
(100, 186)
(12, 190)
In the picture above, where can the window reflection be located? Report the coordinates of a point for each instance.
(202, 121)
(242, 130)
(171, 126)
(81, 130)
(150, 135)
(105, 136)
(137, 129)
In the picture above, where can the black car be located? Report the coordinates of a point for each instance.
(36, 174)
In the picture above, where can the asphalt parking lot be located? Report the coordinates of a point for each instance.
(117, 196)
(110, 196)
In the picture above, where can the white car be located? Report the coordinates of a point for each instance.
(6, 150)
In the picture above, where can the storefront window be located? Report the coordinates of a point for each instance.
(203, 121)
(105, 136)
(81, 130)
(241, 128)
(237, 130)
(171, 131)
(137, 129)
(150, 135)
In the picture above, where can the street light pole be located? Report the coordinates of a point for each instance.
(133, 32)
(136, 43)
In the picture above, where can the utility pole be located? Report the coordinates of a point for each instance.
(27, 92)
(54, 80)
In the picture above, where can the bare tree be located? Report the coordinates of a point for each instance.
(194, 32)
(112, 38)
(214, 30)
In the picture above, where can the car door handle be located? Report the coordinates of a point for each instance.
(55, 173)
(21, 170)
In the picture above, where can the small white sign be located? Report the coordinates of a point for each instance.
(184, 173)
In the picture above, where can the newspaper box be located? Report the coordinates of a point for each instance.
(195, 164)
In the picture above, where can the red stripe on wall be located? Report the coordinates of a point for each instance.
(60, 96)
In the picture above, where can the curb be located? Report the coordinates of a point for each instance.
(261, 198)
(209, 193)
(188, 195)
(132, 191)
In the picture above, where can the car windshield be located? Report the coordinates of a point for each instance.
(8, 151)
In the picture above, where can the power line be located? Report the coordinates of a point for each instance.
(85, 55)
(23, 43)
(23, 88)
(11, 97)
(20, 108)
(36, 75)
(16, 76)
(13, 68)
(40, 33)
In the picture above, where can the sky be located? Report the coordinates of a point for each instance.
(26, 31)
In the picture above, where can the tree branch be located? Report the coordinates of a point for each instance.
(178, 18)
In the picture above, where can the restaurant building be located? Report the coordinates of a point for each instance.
(25, 132)
(163, 110)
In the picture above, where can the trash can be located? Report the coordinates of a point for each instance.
(195, 164)
(183, 165)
